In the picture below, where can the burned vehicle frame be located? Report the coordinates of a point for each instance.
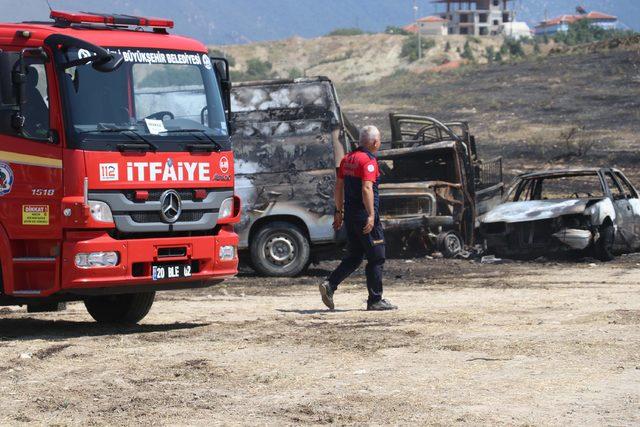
(594, 211)
(433, 186)
(288, 138)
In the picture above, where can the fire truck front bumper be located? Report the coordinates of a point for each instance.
(93, 261)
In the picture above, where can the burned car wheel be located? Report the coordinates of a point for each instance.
(604, 246)
(280, 249)
(450, 244)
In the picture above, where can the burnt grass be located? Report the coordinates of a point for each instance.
(577, 109)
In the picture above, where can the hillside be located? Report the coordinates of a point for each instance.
(364, 58)
(242, 21)
(560, 107)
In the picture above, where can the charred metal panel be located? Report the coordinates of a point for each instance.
(286, 137)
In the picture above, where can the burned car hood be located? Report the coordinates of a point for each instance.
(536, 210)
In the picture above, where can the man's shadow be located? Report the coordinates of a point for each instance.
(29, 328)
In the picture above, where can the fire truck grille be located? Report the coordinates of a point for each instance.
(406, 206)
(154, 195)
(154, 217)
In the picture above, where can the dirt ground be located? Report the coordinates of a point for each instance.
(511, 344)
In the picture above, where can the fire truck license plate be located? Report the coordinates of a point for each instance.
(165, 272)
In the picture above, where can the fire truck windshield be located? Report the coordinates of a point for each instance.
(167, 99)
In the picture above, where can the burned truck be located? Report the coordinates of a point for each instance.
(288, 138)
(434, 186)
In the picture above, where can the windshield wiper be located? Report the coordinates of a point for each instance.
(213, 142)
(126, 132)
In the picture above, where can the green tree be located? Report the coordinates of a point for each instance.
(392, 29)
(512, 47)
(346, 32)
(467, 52)
(410, 47)
(295, 73)
(536, 48)
(490, 53)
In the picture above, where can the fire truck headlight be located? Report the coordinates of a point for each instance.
(100, 211)
(227, 253)
(97, 259)
(226, 208)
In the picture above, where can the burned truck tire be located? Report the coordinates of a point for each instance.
(280, 249)
(449, 244)
(126, 309)
(603, 248)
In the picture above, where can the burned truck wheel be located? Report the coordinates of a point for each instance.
(604, 246)
(126, 309)
(450, 244)
(280, 249)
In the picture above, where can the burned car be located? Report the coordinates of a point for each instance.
(433, 186)
(595, 210)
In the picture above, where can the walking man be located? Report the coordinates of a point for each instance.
(357, 202)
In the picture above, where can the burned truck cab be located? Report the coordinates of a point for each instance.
(433, 185)
(289, 138)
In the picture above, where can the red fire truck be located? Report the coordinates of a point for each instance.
(116, 169)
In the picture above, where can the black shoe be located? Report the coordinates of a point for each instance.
(382, 305)
(327, 295)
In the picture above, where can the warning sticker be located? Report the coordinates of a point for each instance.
(35, 215)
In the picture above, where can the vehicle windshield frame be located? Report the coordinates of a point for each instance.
(518, 187)
(174, 141)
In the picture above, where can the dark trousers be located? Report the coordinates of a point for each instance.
(359, 246)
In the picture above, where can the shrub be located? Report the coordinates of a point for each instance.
(512, 47)
(447, 47)
(295, 73)
(467, 53)
(220, 54)
(490, 53)
(346, 32)
(392, 29)
(410, 47)
(256, 70)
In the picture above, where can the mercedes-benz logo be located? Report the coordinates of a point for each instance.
(170, 206)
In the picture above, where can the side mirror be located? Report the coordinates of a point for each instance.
(19, 81)
(221, 67)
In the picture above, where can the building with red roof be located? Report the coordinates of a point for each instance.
(429, 26)
(562, 23)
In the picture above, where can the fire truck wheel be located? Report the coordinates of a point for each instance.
(123, 309)
(280, 249)
(450, 244)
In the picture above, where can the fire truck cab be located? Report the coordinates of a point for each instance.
(116, 169)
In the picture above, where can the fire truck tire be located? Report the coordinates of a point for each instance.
(449, 244)
(127, 309)
(280, 249)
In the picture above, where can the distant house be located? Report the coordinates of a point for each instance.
(561, 23)
(429, 26)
